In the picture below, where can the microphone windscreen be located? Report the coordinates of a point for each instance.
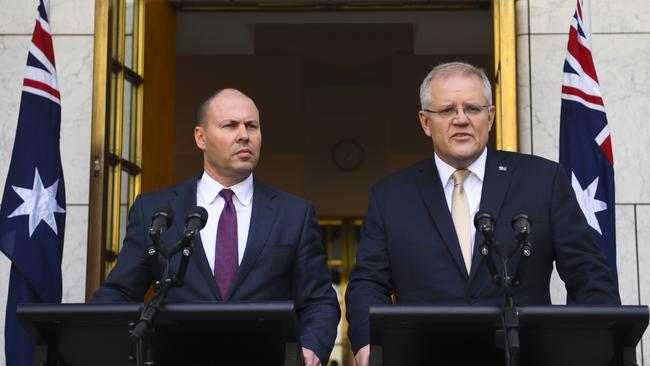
(164, 216)
(197, 213)
(483, 220)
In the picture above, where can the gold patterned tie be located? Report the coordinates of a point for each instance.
(460, 215)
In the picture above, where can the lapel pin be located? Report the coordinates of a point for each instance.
(503, 168)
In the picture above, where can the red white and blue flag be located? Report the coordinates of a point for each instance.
(32, 213)
(585, 141)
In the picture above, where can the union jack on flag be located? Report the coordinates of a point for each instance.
(585, 141)
(32, 213)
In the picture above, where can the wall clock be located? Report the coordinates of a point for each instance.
(348, 154)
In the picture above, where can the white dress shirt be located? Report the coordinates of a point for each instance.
(207, 196)
(473, 185)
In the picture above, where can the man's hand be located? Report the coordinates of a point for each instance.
(309, 358)
(362, 358)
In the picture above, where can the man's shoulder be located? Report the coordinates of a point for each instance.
(526, 161)
(274, 193)
(404, 177)
(184, 187)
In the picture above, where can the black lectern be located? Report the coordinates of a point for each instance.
(183, 334)
(549, 335)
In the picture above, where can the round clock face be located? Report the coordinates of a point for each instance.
(347, 154)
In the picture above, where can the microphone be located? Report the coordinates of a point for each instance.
(521, 224)
(484, 223)
(196, 220)
(160, 221)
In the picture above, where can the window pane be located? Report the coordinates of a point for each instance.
(126, 120)
(124, 194)
(128, 51)
(128, 34)
(113, 26)
(112, 217)
(128, 20)
(114, 110)
(109, 207)
(123, 219)
(125, 189)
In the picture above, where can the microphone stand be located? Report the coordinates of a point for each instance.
(508, 336)
(141, 332)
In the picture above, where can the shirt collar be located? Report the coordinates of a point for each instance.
(445, 170)
(209, 189)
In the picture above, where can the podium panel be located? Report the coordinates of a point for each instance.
(184, 334)
(549, 335)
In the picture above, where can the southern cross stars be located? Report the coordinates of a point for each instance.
(588, 202)
(39, 203)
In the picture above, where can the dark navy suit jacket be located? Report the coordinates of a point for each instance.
(409, 246)
(284, 260)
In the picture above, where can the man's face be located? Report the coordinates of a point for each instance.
(458, 139)
(230, 137)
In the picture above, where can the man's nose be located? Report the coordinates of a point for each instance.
(242, 132)
(460, 116)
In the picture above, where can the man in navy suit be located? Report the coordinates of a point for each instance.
(418, 242)
(276, 250)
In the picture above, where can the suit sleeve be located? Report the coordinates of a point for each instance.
(580, 262)
(316, 303)
(370, 280)
(131, 277)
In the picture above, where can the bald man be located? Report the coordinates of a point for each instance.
(259, 244)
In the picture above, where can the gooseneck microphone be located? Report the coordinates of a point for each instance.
(196, 220)
(160, 221)
(521, 224)
(484, 223)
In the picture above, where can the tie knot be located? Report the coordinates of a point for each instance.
(227, 194)
(460, 176)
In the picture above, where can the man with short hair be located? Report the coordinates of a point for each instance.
(418, 240)
(259, 244)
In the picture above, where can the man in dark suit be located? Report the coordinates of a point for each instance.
(259, 244)
(418, 242)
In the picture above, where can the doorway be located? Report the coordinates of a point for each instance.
(318, 79)
(322, 80)
(336, 83)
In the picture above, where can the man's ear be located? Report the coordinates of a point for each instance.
(491, 114)
(199, 137)
(424, 123)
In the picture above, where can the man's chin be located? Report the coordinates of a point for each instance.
(465, 159)
(244, 168)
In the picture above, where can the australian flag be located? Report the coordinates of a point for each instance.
(585, 142)
(32, 213)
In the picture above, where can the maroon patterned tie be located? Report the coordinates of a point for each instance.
(226, 259)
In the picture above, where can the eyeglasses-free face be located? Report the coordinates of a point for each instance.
(458, 137)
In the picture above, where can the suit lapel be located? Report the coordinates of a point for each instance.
(434, 199)
(181, 204)
(262, 218)
(498, 171)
